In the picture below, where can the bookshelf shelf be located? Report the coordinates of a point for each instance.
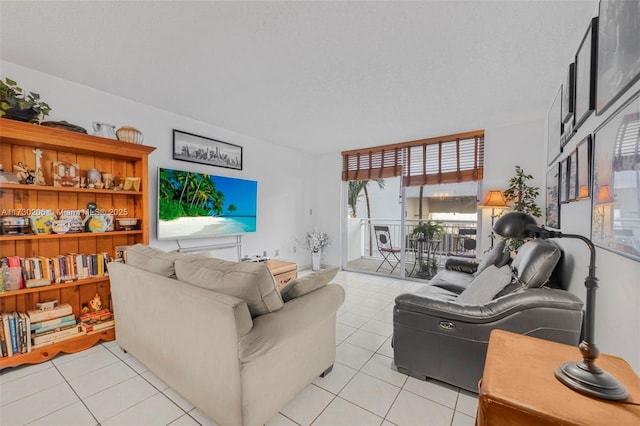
(121, 159)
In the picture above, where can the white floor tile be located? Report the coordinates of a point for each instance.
(343, 331)
(64, 358)
(87, 364)
(113, 400)
(344, 413)
(366, 340)
(178, 399)
(375, 303)
(72, 415)
(136, 365)
(364, 311)
(154, 380)
(101, 379)
(351, 320)
(307, 405)
(280, 420)
(9, 374)
(337, 379)
(29, 385)
(157, 410)
(383, 368)
(384, 316)
(116, 349)
(370, 393)
(38, 405)
(467, 403)
(352, 356)
(184, 420)
(202, 418)
(386, 349)
(460, 419)
(439, 392)
(378, 327)
(410, 409)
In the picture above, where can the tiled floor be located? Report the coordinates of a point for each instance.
(105, 386)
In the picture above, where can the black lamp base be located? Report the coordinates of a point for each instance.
(593, 382)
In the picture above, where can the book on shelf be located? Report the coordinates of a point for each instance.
(97, 326)
(3, 339)
(38, 316)
(101, 315)
(55, 327)
(56, 335)
(7, 334)
(41, 306)
(57, 340)
(47, 323)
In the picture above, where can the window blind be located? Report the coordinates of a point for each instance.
(444, 159)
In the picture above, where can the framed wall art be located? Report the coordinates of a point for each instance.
(572, 176)
(552, 205)
(584, 168)
(564, 182)
(585, 74)
(554, 129)
(567, 94)
(618, 50)
(616, 182)
(200, 149)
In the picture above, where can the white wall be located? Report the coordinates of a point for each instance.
(284, 176)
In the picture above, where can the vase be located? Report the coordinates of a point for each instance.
(315, 260)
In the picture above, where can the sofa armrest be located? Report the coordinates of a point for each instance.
(295, 317)
(496, 309)
(461, 264)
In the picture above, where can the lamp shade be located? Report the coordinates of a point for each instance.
(493, 199)
(515, 225)
(604, 196)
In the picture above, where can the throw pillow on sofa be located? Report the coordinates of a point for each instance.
(249, 281)
(153, 260)
(308, 283)
(485, 286)
(497, 256)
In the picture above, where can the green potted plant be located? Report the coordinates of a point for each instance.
(17, 105)
(431, 229)
(522, 198)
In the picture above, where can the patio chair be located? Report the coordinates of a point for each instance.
(383, 240)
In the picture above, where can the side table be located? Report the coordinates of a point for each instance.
(518, 386)
(282, 271)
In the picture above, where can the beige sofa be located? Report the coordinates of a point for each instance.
(221, 334)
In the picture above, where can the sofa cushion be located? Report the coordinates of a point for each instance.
(485, 286)
(249, 281)
(308, 283)
(495, 256)
(153, 260)
(453, 281)
(535, 262)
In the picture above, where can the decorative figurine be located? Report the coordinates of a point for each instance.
(39, 176)
(96, 303)
(30, 179)
(22, 171)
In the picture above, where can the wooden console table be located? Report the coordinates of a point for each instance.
(518, 386)
(282, 271)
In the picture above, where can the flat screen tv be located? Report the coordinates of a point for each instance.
(198, 205)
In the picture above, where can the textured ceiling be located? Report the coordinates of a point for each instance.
(316, 76)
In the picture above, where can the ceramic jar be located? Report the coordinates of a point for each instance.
(42, 221)
(74, 218)
(93, 176)
(129, 134)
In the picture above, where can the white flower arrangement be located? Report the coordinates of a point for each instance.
(316, 241)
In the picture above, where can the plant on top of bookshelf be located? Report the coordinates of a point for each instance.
(17, 105)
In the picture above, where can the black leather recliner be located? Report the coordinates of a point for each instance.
(435, 337)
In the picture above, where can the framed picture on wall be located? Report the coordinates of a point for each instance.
(552, 205)
(554, 129)
(573, 176)
(616, 177)
(585, 74)
(200, 149)
(564, 182)
(584, 168)
(567, 94)
(618, 50)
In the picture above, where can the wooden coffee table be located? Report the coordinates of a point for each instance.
(282, 271)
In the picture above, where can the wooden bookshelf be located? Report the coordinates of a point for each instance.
(121, 159)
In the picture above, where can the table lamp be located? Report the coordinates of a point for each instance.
(493, 199)
(584, 377)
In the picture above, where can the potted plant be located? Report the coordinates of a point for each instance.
(314, 242)
(17, 105)
(522, 198)
(430, 229)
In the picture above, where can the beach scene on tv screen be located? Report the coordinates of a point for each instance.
(194, 205)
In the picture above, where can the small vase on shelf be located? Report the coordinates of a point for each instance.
(315, 260)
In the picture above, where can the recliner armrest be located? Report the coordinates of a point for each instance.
(492, 311)
(461, 264)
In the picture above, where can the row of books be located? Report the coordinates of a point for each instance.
(21, 332)
(41, 270)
